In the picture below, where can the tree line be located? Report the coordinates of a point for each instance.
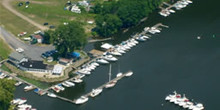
(116, 14)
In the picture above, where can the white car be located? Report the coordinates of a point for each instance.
(20, 50)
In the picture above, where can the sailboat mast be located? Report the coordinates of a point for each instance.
(110, 69)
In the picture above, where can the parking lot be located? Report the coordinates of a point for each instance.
(32, 51)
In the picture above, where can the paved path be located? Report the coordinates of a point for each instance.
(7, 5)
(32, 51)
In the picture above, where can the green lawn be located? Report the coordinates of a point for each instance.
(36, 83)
(14, 23)
(4, 49)
(5, 68)
(52, 11)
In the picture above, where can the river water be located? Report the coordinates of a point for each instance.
(172, 60)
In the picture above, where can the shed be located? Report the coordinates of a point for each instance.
(57, 70)
(64, 61)
(38, 37)
(106, 46)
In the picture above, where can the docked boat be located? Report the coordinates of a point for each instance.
(109, 58)
(22, 101)
(129, 73)
(18, 101)
(140, 38)
(24, 106)
(55, 89)
(115, 52)
(95, 64)
(95, 92)
(199, 106)
(83, 71)
(110, 84)
(65, 84)
(51, 95)
(18, 83)
(77, 80)
(81, 100)
(102, 61)
(59, 86)
(171, 11)
(28, 87)
(70, 83)
(119, 74)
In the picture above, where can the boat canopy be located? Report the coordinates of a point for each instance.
(106, 46)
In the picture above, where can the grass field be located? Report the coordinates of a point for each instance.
(52, 12)
(36, 83)
(13, 23)
(4, 49)
(5, 68)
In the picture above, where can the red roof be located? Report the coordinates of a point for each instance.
(38, 36)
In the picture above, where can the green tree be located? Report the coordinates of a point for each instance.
(7, 89)
(107, 25)
(69, 37)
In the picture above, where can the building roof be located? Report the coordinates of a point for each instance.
(64, 60)
(57, 69)
(17, 56)
(37, 36)
(106, 46)
(32, 64)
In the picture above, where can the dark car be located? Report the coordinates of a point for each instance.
(46, 24)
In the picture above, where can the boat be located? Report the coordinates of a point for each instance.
(95, 64)
(146, 29)
(83, 71)
(129, 73)
(55, 89)
(81, 100)
(51, 95)
(28, 87)
(77, 80)
(102, 61)
(115, 52)
(19, 101)
(110, 84)
(199, 106)
(60, 87)
(95, 92)
(25, 106)
(171, 11)
(22, 101)
(119, 74)
(110, 58)
(18, 83)
(65, 84)
(198, 37)
(70, 83)
(140, 39)
(169, 97)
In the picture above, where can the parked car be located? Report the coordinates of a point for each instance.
(19, 50)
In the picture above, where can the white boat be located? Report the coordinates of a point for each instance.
(83, 71)
(65, 84)
(146, 29)
(171, 11)
(102, 61)
(110, 84)
(18, 83)
(189, 1)
(60, 87)
(187, 105)
(28, 87)
(95, 92)
(199, 106)
(95, 64)
(129, 73)
(70, 83)
(22, 101)
(77, 80)
(133, 40)
(81, 100)
(25, 106)
(119, 74)
(110, 58)
(140, 39)
(162, 14)
(115, 52)
(145, 37)
(51, 95)
(169, 97)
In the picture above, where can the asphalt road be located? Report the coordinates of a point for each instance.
(31, 51)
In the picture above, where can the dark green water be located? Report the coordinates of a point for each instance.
(172, 60)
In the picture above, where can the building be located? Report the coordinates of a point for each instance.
(17, 58)
(64, 61)
(83, 3)
(75, 9)
(57, 70)
(38, 38)
(35, 66)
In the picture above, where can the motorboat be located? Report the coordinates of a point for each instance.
(183, 101)
(120, 50)
(25, 106)
(189, 1)
(95, 64)
(65, 84)
(171, 11)
(129, 73)
(102, 61)
(119, 74)
(16, 101)
(22, 101)
(169, 97)
(70, 83)
(162, 14)
(83, 71)
(199, 106)
(55, 89)
(145, 37)
(18, 83)
(28, 87)
(110, 58)
(60, 87)
(133, 40)
(140, 39)
(51, 95)
(77, 80)
(115, 52)
(187, 105)
(95, 92)
(81, 100)
(146, 29)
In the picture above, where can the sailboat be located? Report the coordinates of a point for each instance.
(110, 83)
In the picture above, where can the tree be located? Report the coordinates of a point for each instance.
(69, 37)
(7, 89)
(108, 25)
(47, 37)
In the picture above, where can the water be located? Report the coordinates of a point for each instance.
(172, 60)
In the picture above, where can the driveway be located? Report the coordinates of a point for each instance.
(32, 51)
